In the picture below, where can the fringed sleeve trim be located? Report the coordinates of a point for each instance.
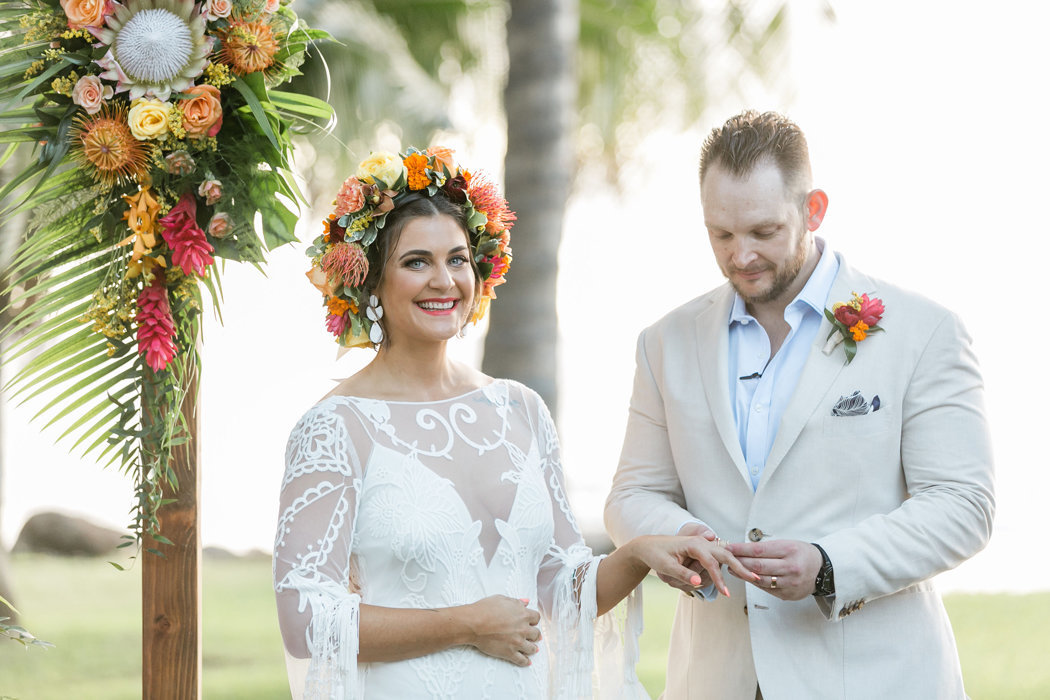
(334, 642)
(592, 657)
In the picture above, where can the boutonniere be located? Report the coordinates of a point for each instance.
(852, 321)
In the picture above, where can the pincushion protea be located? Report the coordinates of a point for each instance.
(247, 47)
(348, 260)
(105, 146)
(156, 333)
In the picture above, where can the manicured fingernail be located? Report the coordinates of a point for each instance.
(524, 600)
(695, 580)
(725, 592)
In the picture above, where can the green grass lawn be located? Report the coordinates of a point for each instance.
(91, 612)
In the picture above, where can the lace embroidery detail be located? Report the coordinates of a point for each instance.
(426, 505)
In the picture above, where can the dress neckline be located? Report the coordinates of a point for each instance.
(419, 403)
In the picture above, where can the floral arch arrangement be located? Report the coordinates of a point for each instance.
(160, 142)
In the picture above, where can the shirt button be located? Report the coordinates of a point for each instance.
(754, 471)
(755, 534)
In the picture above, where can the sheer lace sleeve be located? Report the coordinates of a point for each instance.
(317, 606)
(567, 588)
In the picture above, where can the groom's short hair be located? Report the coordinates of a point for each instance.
(749, 138)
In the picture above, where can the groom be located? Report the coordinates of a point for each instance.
(844, 465)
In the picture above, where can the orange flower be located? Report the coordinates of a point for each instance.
(443, 158)
(416, 165)
(141, 217)
(202, 113)
(104, 145)
(86, 13)
(338, 306)
(247, 47)
(858, 330)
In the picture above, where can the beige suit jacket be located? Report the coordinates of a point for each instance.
(894, 496)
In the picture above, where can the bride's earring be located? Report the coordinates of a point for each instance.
(374, 312)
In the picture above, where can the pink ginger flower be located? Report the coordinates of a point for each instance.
(156, 332)
(350, 198)
(189, 246)
(348, 260)
(337, 324)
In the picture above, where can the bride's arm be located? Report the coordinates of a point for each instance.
(498, 626)
(620, 572)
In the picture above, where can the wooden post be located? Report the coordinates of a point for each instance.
(171, 585)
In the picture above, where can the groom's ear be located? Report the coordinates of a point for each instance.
(816, 208)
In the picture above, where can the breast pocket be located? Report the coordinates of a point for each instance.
(870, 424)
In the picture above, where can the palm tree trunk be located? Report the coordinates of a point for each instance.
(539, 101)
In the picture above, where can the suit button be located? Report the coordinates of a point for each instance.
(755, 535)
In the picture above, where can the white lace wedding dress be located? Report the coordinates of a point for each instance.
(437, 504)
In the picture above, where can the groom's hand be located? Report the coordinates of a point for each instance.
(689, 530)
(786, 568)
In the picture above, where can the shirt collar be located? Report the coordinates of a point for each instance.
(814, 294)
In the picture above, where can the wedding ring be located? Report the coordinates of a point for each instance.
(719, 542)
(773, 582)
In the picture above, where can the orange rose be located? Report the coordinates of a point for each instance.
(86, 13)
(202, 113)
(443, 156)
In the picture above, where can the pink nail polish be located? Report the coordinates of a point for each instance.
(695, 581)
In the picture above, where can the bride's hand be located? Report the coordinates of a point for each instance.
(505, 628)
(671, 557)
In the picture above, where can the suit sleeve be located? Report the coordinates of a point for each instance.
(646, 496)
(946, 458)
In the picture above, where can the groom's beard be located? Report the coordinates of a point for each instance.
(783, 276)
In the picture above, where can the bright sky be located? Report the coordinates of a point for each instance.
(925, 123)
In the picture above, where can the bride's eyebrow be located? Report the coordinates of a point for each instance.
(417, 251)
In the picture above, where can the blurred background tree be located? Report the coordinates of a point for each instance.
(579, 84)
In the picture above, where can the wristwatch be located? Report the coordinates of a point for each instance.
(824, 586)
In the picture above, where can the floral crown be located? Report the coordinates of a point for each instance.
(383, 182)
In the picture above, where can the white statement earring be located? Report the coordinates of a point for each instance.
(374, 312)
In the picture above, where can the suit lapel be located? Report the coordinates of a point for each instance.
(819, 373)
(712, 329)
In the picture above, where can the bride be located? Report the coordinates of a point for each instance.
(426, 548)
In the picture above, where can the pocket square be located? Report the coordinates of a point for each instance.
(855, 405)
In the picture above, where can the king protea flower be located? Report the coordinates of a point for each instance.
(156, 333)
(105, 146)
(189, 246)
(156, 47)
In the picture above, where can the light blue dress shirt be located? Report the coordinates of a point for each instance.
(759, 400)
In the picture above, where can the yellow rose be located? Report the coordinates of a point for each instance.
(148, 119)
(380, 166)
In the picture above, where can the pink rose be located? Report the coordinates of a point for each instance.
(272, 6)
(218, 9)
(89, 92)
(211, 190)
(201, 113)
(350, 198)
(220, 225)
(179, 163)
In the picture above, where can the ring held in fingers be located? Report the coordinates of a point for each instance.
(773, 582)
(719, 542)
